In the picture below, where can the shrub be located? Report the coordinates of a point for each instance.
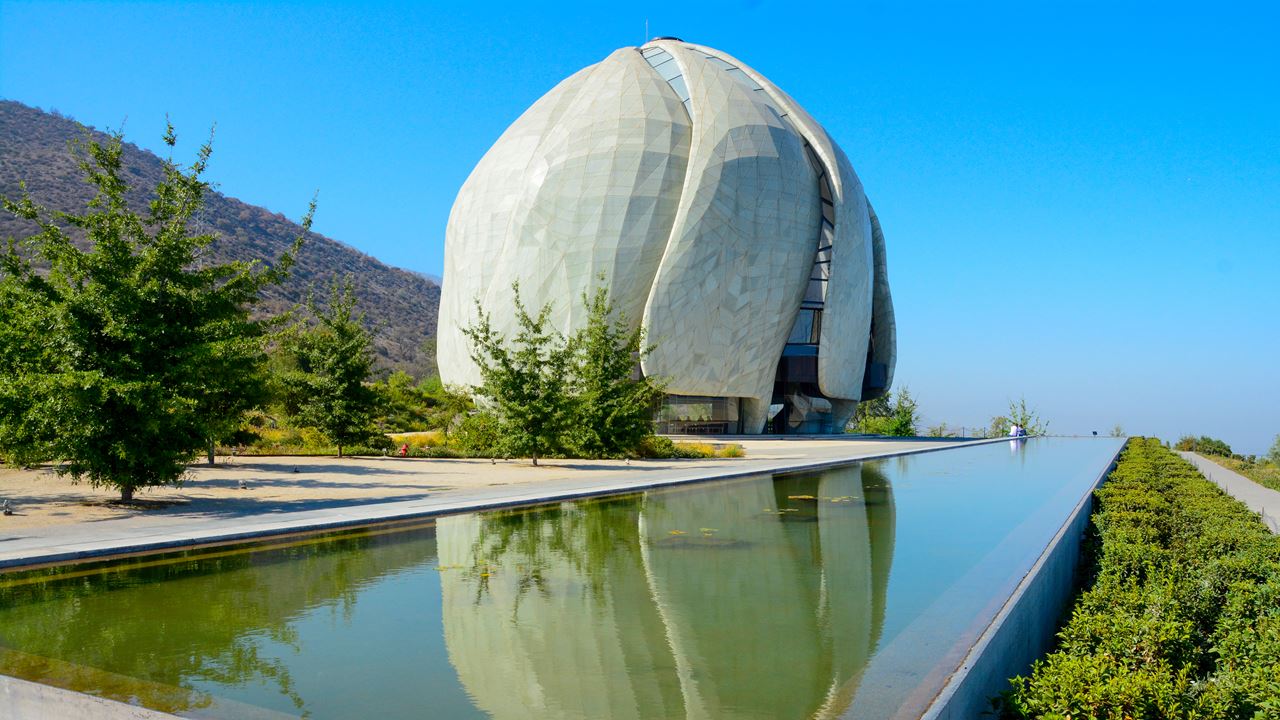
(417, 439)
(659, 447)
(1182, 619)
(895, 414)
(436, 451)
(1204, 445)
(478, 435)
(732, 450)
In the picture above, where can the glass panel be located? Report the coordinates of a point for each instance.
(668, 69)
(677, 84)
(743, 78)
(696, 414)
(816, 292)
(802, 331)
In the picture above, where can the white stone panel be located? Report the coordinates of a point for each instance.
(738, 260)
(587, 186)
(846, 318)
(884, 325)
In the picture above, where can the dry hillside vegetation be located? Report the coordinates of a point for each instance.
(400, 306)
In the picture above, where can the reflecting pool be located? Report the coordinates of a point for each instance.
(848, 592)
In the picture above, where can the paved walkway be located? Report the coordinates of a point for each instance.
(1259, 499)
(555, 481)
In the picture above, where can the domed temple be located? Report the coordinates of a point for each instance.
(722, 217)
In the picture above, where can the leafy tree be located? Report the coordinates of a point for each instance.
(1274, 454)
(407, 405)
(526, 378)
(128, 357)
(1026, 418)
(877, 407)
(613, 403)
(999, 426)
(1204, 445)
(940, 430)
(328, 362)
(451, 403)
(896, 416)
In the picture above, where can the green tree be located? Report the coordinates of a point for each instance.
(451, 403)
(1026, 418)
(327, 364)
(999, 426)
(407, 405)
(940, 430)
(1274, 453)
(1204, 445)
(526, 379)
(613, 407)
(874, 408)
(895, 416)
(128, 357)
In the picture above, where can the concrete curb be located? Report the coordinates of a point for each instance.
(26, 700)
(248, 529)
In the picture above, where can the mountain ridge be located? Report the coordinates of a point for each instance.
(401, 306)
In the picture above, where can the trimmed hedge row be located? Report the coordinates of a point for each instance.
(1182, 619)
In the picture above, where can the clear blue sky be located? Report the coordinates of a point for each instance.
(1082, 202)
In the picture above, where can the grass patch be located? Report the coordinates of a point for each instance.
(425, 438)
(1182, 617)
(659, 447)
(430, 444)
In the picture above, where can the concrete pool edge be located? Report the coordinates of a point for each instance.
(248, 529)
(20, 699)
(1023, 630)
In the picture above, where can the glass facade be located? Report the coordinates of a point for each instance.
(697, 415)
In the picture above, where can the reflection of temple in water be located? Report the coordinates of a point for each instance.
(752, 598)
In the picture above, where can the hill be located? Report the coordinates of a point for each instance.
(401, 306)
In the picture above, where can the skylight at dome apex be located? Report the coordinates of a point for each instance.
(723, 218)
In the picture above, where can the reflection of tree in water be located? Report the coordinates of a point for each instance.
(627, 608)
(147, 631)
(588, 535)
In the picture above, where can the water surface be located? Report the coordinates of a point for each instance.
(852, 591)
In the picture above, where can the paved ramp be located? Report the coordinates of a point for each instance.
(1259, 499)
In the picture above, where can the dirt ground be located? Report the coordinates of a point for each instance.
(41, 498)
